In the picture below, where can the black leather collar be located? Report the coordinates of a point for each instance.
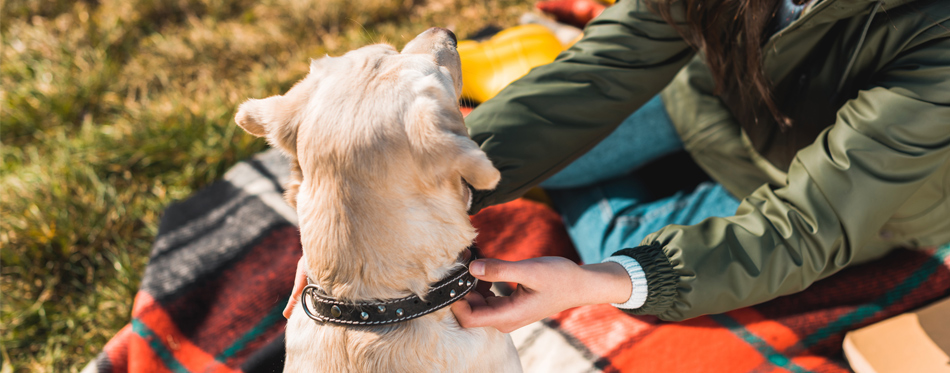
(326, 309)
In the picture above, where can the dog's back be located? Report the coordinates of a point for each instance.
(379, 152)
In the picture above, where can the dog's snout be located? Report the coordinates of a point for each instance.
(455, 40)
(451, 34)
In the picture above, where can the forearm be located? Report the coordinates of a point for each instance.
(565, 108)
(605, 282)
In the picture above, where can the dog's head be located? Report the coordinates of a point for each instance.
(375, 136)
(358, 99)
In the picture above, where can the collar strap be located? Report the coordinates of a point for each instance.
(326, 309)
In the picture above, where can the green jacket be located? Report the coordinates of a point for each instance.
(865, 168)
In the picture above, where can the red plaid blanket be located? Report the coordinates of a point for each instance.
(223, 263)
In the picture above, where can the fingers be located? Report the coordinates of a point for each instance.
(299, 282)
(484, 288)
(528, 272)
(475, 311)
(495, 270)
(289, 309)
(477, 300)
(463, 309)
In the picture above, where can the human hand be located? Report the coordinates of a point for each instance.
(546, 286)
(299, 282)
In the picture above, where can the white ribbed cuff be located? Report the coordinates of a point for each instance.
(638, 282)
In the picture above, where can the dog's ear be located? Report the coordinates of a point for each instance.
(253, 115)
(437, 133)
(269, 117)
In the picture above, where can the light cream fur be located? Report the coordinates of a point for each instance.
(379, 150)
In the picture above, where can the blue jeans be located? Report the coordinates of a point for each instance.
(609, 203)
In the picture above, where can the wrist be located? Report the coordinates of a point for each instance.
(605, 283)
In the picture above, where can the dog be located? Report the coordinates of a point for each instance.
(380, 158)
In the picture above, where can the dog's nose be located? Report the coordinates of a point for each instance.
(455, 40)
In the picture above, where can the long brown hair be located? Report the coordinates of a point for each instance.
(730, 33)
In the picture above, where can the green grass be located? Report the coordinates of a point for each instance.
(112, 109)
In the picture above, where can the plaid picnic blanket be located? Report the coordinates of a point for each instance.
(222, 267)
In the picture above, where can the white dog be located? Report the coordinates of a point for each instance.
(380, 156)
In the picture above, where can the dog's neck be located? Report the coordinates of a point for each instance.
(363, 246)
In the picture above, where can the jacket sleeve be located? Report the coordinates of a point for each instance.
(557, 112)
(841, 191)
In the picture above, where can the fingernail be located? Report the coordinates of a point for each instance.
(477, 268)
